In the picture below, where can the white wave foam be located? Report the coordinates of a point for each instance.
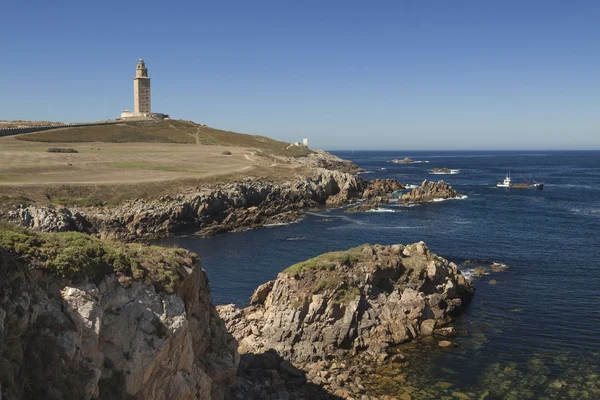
(365, 172)
(588, 187)
(452, 172)
(469, 274)
(296, 238)
(374, 227)
(280, 224)
(397, 204)
(381, 210)
(591, 212)
(453, 198)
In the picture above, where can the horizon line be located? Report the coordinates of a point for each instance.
(439, 150)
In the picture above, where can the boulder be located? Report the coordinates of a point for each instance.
(430, 191)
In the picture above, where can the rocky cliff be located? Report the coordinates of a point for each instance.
(361, 302)
(211, 209)
(82, 318)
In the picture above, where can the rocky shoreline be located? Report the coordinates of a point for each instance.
(208, 210)
(217, 208)
(427, 192)
(134, 321)
(340, 315)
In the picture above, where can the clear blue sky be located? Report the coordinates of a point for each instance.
(345, 74)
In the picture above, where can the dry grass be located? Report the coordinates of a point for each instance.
(167, 131)
(163, 157)
(115, 193)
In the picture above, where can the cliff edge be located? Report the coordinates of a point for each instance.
(82, 318)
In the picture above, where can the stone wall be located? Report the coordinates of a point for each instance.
(37, 128)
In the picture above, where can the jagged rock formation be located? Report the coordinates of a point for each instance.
(81, 319)
(323, 159)
(381, 187)
(214, 209)
(379, 191)
(362, 301)
(430, 191)
(369, 204)
(209, 210)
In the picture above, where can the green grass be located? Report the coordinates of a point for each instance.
(327, 261)
(327, 283)
(8, 178)
(11, 201)
(73, 255)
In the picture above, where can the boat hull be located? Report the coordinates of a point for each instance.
(537, 186)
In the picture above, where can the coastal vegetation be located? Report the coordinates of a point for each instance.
(75, 255)
(327, 261)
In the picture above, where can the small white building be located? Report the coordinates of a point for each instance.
(305, 142)
(127, 114)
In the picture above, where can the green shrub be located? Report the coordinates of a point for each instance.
(73, 254)
(327, 261)
(61, 150)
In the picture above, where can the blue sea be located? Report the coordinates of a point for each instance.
(530, 332)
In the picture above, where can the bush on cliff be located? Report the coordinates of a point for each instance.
(76, 255)
(328, 261)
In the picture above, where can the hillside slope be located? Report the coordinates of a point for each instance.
(166, 131)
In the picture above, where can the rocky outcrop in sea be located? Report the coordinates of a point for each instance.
(430, 191)
(405, 160)
(82, 318)
(379, 191)
(361, 303)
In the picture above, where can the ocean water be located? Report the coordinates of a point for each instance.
(535, 333)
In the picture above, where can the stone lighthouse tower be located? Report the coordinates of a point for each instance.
(141, 90)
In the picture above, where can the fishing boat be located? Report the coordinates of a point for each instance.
(506, 184)
(528, 184)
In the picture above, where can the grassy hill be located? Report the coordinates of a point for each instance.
(166, 131)
(137, 159)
